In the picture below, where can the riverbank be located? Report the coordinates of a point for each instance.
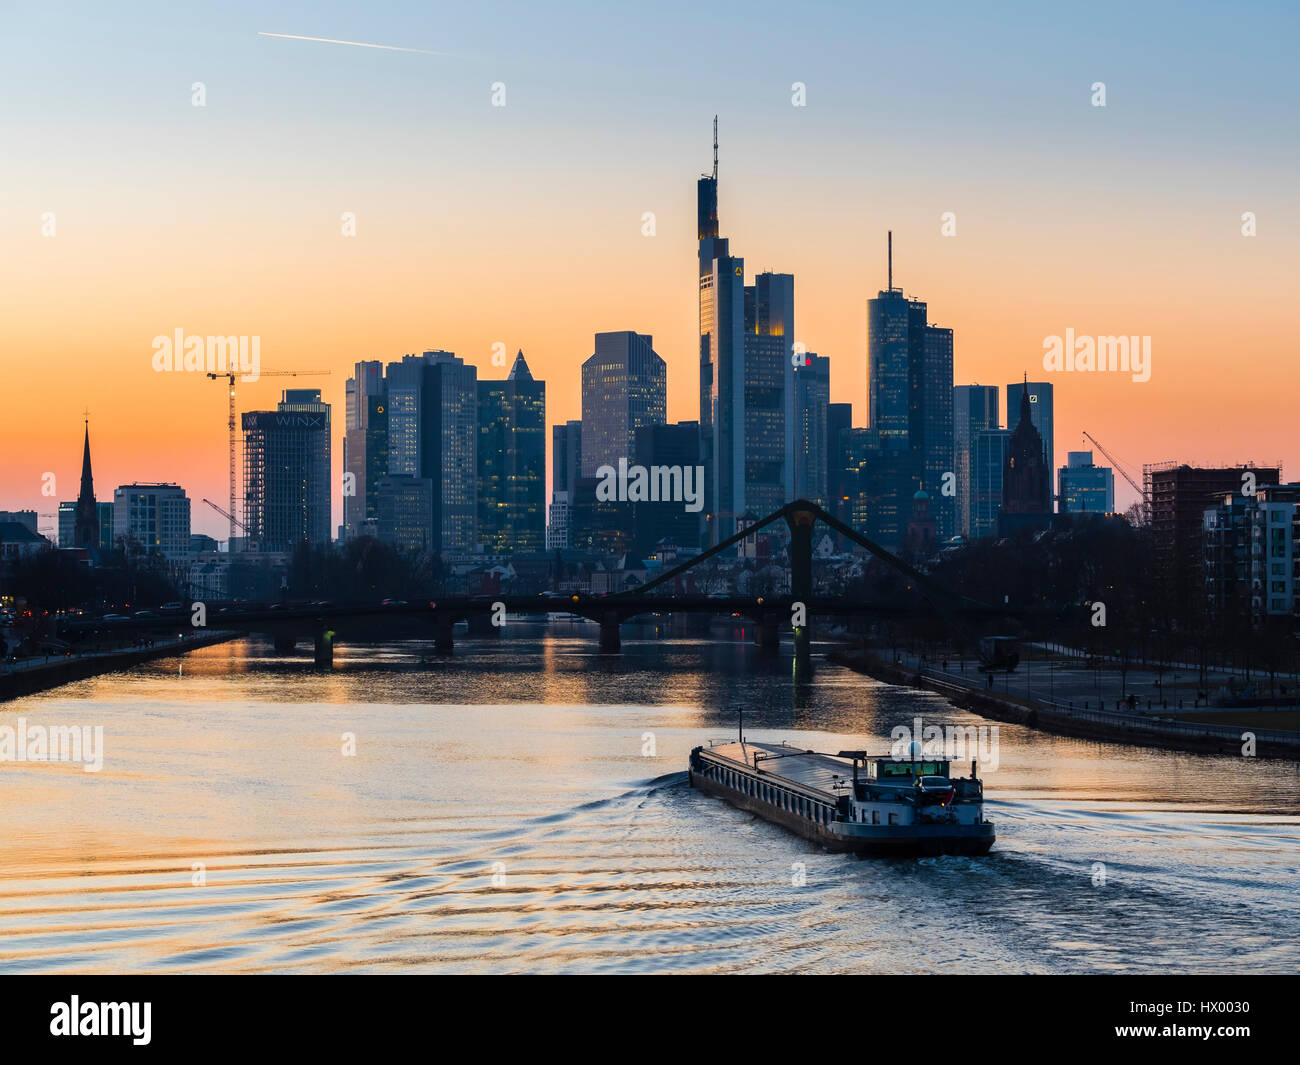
(29, 678)
(1135, 728)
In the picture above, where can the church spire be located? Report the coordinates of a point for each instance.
(86, 527)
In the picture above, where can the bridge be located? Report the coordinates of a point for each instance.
(326, 623)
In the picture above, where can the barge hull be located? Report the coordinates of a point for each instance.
(916, 844)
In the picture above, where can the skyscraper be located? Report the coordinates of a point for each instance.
(624, 387)
(1040, 412)
(747, 400)
(287, 472)
(974, 409)
(910, 401)
(566, 457)
(433, 434)
(989, 465)
(365, 447)
(86, 531)
(674, 446)
(841, 486)
(512, 462)
(768, 394)
(566, 468)
(812, 430)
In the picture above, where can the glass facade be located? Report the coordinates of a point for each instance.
(624, 387)
(974, 409)
(1085, 488)
(287, 483)
(512, 462)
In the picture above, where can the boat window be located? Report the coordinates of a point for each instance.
(875, 817)
(893, 819)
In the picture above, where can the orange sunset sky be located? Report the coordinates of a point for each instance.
(522, 224)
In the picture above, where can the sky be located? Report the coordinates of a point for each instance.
(522, 224)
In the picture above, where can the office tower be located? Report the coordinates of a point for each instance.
(67, 523)
(512, 462)
(153, 517)
(771, 428)
(974, 409)
(402, 509)
(624, 387)
(674, 448)
(988, 466)
(365, 448)
(712, 300)
(1085, 488)
(747, 400)
(840, 486)
(604, 526)
(1040, 410)
(107, 534)
(566, 457)
(1179, 496)
(559, 516)
(287, 478)
(812, 430)
(433, 434)
(86, 528)
(910, 399)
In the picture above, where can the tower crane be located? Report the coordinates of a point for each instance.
(1146, 503)
(230, 380)
(233, 520)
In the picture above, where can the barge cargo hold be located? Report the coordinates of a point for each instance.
(851, 801)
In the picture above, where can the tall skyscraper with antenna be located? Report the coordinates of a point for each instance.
(909, 405)
(747, 417)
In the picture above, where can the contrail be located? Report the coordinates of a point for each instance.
(355, 44)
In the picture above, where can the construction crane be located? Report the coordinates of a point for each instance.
(1146, 503)
(230, 380)
(233, 520)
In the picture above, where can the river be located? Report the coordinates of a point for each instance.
(523, 806)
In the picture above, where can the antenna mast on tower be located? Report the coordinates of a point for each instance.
(715, 147)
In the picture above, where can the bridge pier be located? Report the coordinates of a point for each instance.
(324, 648)
(610, 642)
(284, 644)
(767, 634)
(481, 625)
(801, 586)
(442, 639)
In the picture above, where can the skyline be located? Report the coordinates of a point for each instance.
(174, 216)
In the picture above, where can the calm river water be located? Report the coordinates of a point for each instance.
(522, 806)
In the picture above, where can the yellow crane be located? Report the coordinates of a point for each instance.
(230, 380)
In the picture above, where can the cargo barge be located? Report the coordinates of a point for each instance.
(850, 801)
